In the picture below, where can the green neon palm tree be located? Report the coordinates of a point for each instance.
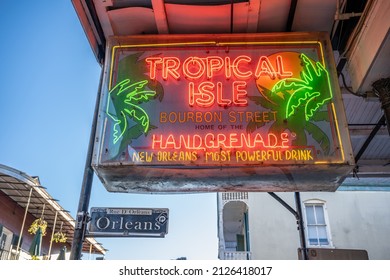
(126, 101)
(126, 97)
(299, 104)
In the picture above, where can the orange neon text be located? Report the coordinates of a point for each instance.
(219, 141)
(193, 68)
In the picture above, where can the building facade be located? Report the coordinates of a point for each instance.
(347, 223)
(23, 201)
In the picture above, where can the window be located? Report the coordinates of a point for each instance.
(317, 229)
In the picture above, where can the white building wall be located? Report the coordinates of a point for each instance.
(272, 228)
(357, 220)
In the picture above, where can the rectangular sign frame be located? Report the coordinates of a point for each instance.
(128, 222)
(206, 113)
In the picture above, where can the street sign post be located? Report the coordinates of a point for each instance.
(128, 222)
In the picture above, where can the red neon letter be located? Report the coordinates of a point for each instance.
(193, 67)
(237, 72)
(153, 61)
(228, 71)
(157, 142)
(264, 67)
(214, 64)
(209, 140)
(239, 93)
(221, 140)
(284, 137)
(222, 102)
(279, 65)
(170, 67)
(204, 96)
(272, 140)
(170, 142)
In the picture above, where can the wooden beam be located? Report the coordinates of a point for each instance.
(253, 16)
(160, 16)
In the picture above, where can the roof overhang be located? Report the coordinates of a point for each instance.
(17, 185)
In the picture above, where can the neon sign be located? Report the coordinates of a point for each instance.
(227, 104)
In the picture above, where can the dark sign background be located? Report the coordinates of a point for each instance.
(271, 119)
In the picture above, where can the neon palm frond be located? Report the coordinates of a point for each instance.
(311, 91)
(125, 98)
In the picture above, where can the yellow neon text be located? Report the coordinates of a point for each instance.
(194, 117)
(257, 116)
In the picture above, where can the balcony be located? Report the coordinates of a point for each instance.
(235, 196)
(13, 254)
(232, 255)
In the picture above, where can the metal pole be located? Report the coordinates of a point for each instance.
(52, 234)
(24, 221)
(231, 15)
(380, 123)
(86, 187)
(246, 227)
(281, 201)
(298, 216)
(300, 225)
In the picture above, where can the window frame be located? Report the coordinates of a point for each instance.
(322, 203)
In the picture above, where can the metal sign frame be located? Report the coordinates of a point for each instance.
(128, 222)
(140, 147)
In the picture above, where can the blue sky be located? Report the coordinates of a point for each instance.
(49, 79)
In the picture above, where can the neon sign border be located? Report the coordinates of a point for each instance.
(115, 48)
